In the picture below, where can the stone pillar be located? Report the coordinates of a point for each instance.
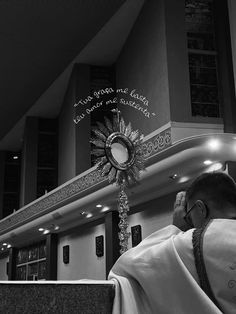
(28, 191)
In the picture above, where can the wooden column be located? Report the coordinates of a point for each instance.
(112, 240)
(51, 257)
(12, 264)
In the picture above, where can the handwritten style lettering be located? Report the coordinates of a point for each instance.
(136, 101)
(139, 97)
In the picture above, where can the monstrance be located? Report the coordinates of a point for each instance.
(119, 158)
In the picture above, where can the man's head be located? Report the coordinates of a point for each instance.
(211, 195)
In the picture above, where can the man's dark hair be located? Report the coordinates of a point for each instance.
(216, 187)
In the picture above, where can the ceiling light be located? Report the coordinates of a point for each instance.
(89, 215)
(105, 209)
(46, 231)
(9, 246)
(215, 167)
(207, 162)
(2, 248)
(98, 205)
(56, 228)
(41, 229)
(82, 213)
(5, 244)
(15, 157)
(183, 179)
(213, 144)
(174, 176)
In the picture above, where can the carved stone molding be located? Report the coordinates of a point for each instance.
(74, 189)
(157, 143)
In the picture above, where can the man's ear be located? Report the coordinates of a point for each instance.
(202, 208)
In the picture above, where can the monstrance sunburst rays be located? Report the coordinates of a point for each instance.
(124, 171)
(128, 172)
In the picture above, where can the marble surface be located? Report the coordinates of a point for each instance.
(60, 298)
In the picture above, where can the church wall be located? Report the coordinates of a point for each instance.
(153, 215)
(232, 18)
(74, 145)
(142, 65)
(83, 260)
(3, 268)
(66, 143)
(177, 54)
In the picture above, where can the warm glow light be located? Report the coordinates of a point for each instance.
(215, 167)
(207, 162)
(98, 205)
(214, 144)
(105, 209)
(183, 179)
(41, 229)
(46, 231)
(89, 215)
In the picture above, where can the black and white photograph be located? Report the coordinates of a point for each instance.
(118, 156)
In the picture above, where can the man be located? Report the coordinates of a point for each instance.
(190, 266)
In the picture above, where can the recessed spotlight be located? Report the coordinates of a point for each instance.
(4, 244)
(207, 162)
(46, 231)
(213, 144)
(215, 167)
(89, 215)
(105, 209)
(184, 179)
(174, 176)
(15, 157)
(98, 205)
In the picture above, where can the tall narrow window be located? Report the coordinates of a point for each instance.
(202, 53)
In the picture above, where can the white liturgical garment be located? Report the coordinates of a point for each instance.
(159, 275)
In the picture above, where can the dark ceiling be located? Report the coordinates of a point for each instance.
(38, 39)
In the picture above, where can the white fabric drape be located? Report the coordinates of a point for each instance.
(159, 275)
